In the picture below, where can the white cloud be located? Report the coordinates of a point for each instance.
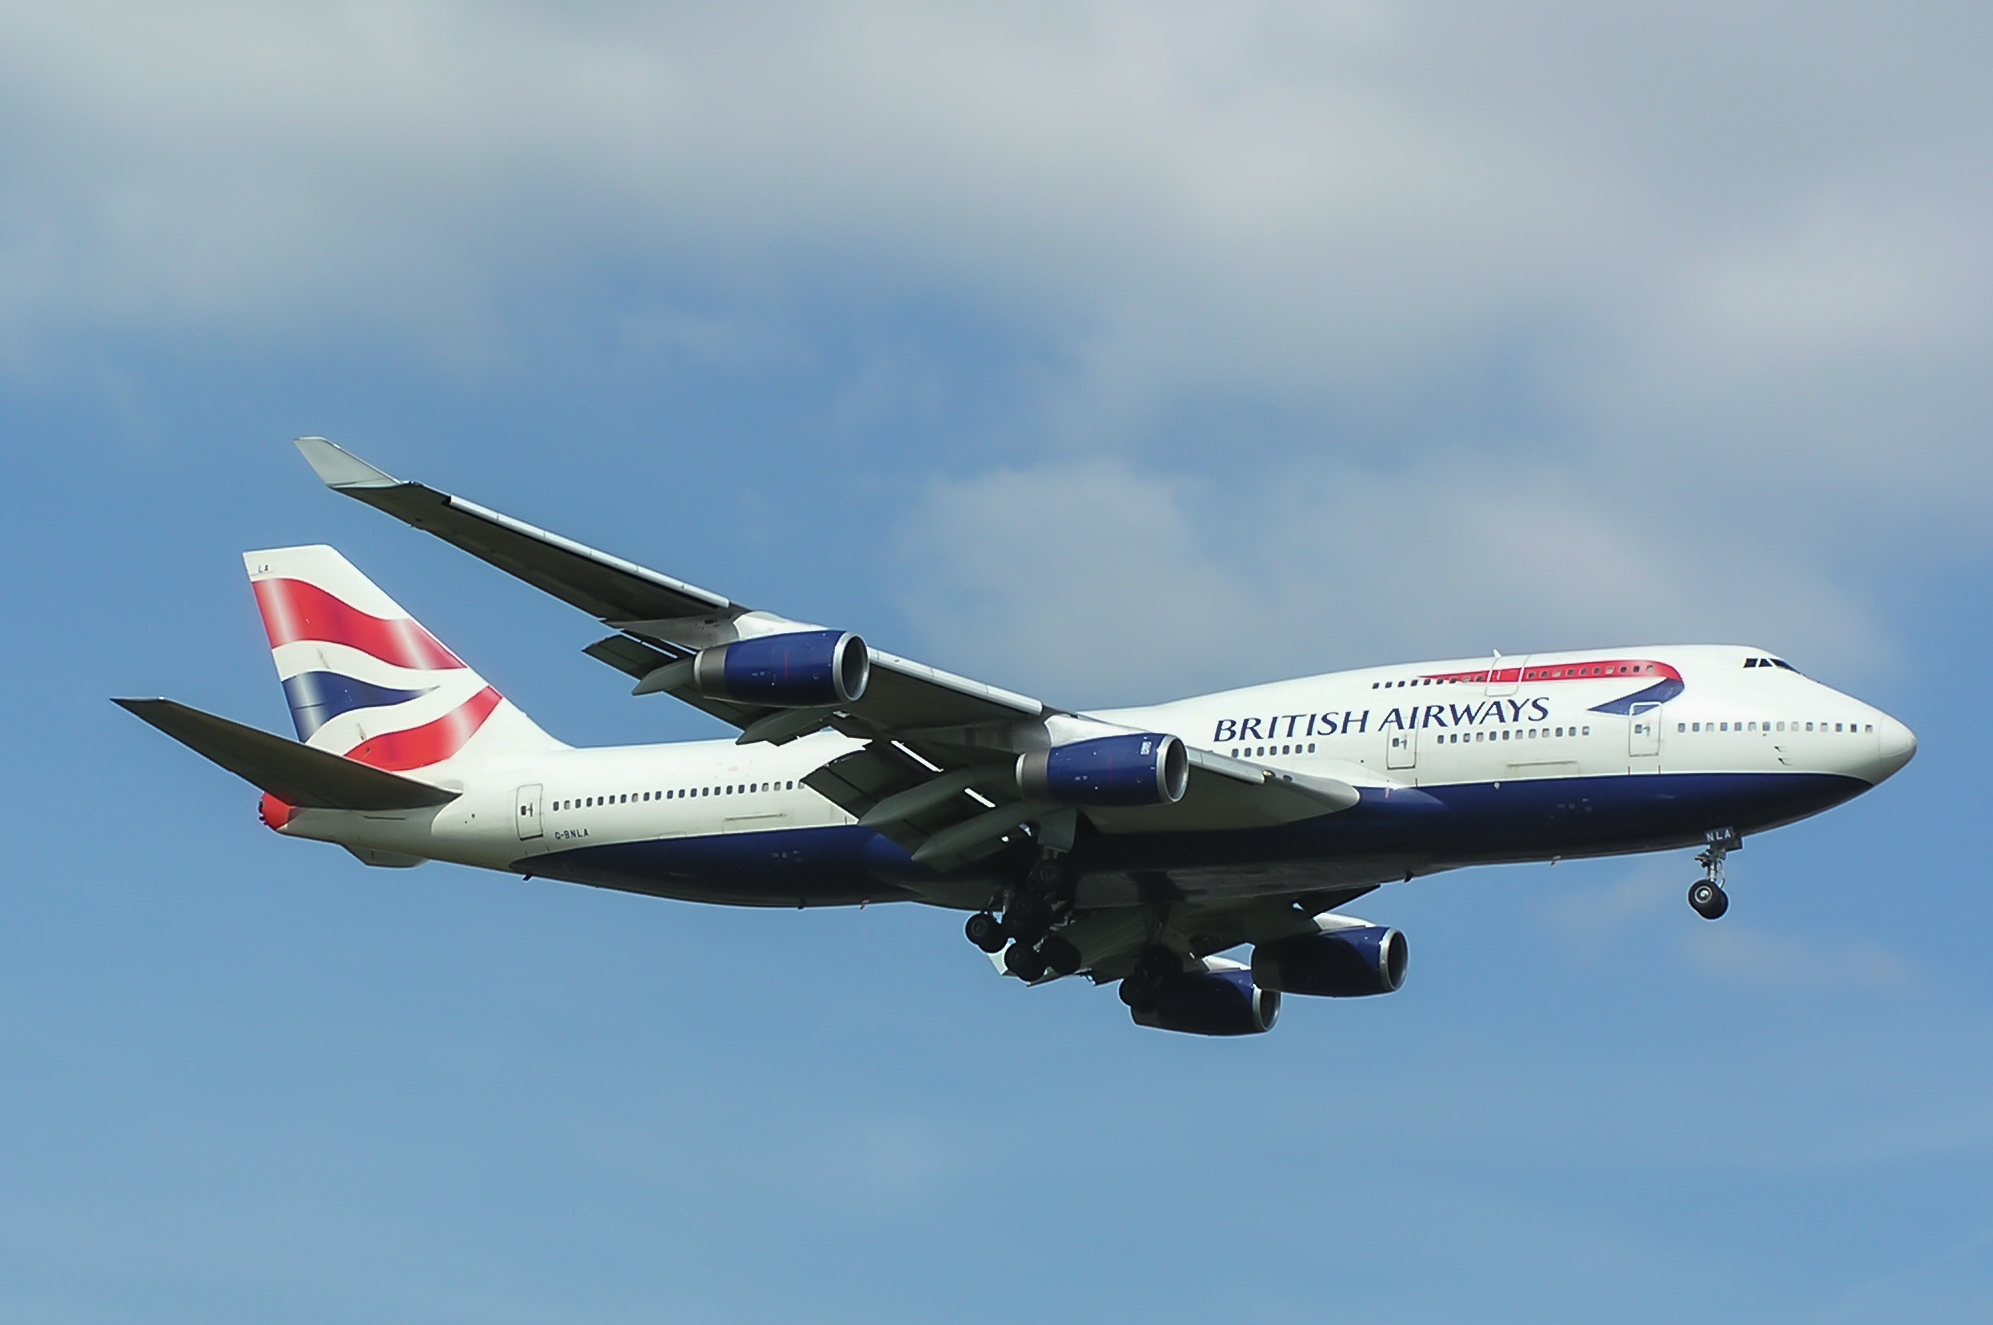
(1737, 954)
(1066, 574)
(1573, 324)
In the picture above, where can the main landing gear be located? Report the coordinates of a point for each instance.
(1141, 985)
(1029, 912)
(1706, 896)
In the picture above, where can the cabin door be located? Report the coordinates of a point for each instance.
(529, 817)
(1643, 730)
(1505, 674)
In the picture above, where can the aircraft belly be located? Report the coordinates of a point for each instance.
(1392, 832)
(1441, 827)
(779, 867)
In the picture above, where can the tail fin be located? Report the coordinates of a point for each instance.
(364, 680)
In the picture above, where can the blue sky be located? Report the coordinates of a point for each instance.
(1105, 352)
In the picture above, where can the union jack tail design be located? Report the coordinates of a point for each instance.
(365, 681)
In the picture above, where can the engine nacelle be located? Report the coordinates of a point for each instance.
(1341, 963)
(1212, 1003)
(804, 669)
(1145, 769)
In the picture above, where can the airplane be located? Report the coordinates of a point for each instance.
(1133, 846)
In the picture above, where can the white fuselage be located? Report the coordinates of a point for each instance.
(1448, 725)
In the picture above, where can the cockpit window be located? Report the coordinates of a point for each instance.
(1780, 662)
(1750, 662)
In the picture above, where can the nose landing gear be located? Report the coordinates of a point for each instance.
(1708, 900)
(1706, 896)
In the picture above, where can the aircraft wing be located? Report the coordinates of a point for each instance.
(936, 772)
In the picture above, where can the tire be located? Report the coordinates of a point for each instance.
(985, 931)
(1138, 992)
(1061, 957)
(1024, 963)
(1707, 900)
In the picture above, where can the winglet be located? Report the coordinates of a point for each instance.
(340, 469)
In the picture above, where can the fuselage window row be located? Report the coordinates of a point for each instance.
(1513, 733)
(624, 798)
(1847, 728)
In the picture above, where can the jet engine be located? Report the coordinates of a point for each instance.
(804, 669)
(1340, 963)
(1211, 1003)
(1144, 769)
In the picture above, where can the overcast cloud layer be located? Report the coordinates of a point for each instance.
(1681, 316)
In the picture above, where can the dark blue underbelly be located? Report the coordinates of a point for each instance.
(1417, 830)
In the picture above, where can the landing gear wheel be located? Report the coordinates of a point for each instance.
(1024, 963)
(1137, 991)
(1141, 985)
(1061, 957)
(1707, 900)
(1027, 920)
(985, 931)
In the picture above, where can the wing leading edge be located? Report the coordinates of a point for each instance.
(936, 774)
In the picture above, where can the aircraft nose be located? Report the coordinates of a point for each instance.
(1896, 744)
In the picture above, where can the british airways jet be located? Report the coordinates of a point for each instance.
(1134, 846)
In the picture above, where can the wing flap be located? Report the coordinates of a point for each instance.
(295, 774)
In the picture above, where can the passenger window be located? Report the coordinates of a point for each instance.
(1311, 747)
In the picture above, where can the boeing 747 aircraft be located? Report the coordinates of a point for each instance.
(1134, 846)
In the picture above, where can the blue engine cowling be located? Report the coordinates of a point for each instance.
(1342, 963)
(1144, 769)
(1211, 1003)
(804, 669)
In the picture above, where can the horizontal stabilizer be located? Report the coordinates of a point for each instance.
(295, 774)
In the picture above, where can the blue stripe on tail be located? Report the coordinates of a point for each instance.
(316, 698)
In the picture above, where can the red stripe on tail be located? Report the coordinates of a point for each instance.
(295, 610)
(432, 742)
